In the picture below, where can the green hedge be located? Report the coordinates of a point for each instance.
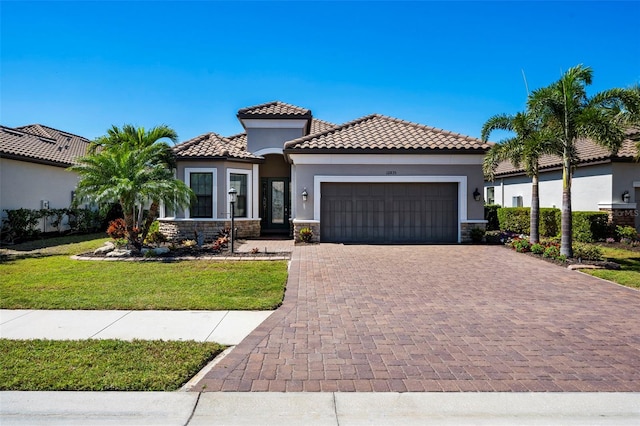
(587, 226)
(491, 216)
(514, 219)
(590, 226)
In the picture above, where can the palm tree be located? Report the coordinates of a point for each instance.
(524, 148)
(130, 167)
(568, 114)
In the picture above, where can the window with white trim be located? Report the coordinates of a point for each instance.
(240, 180)
(203, 184)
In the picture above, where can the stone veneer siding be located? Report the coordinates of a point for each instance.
(621, 217)
(176, 230)
(315, 228)
(465, 228)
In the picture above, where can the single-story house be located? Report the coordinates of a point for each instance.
(33, 162)
(374, 179)
(601, 182)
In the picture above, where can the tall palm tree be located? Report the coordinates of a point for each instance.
(524, 148)
(131, 167)
(569, 114)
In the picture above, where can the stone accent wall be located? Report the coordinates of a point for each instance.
(621, 217)
(465, 230)
(176, 230)
(315, 228)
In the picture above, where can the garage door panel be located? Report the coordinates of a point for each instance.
(389, 212)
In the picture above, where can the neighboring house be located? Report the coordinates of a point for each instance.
(374, 179)
(33, 162)
(601, 182)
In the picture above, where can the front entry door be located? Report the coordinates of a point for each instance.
(275, 204)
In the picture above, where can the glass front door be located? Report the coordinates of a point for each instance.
(275, 204)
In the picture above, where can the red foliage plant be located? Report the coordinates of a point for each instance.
(117, 229)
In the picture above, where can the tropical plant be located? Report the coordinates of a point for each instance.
(524, 148)
(568, 114)
(133, 169)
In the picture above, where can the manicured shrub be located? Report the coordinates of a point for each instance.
(587, 252)
(537, 248)
(590, 226)
(20, 224)
(514, 219)
(477, 234)
(553, 252)
(491, 216)
(549, 222)
(626, 232)
(521, 245)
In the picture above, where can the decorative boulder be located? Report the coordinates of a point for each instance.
(106, 248)
(119, 253)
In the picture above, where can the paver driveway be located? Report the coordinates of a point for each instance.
(438, 318)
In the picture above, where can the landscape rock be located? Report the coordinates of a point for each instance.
(106, 248)
(119, 253)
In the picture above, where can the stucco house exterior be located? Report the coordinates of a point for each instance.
(374, 179)
(33, 162)
(601, 182)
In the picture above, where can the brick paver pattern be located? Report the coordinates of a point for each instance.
(438, 318)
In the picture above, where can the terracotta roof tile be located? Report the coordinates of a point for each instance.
(212, 145)
(274, 109)
(42, 144)
(588, 151)
(381, 133)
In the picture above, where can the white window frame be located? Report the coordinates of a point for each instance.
(214, 189)
(249, 174)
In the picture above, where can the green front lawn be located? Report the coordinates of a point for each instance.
(46, 278)
(629, 261)
(101, 365)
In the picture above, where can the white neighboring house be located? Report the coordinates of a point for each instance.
(33, 162)
(601, 182)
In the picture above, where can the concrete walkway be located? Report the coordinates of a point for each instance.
(225, 327)
(189, 408)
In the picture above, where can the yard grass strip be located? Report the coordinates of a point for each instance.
(57, 282)
(101, 365)
(629, 261)
(40, 275)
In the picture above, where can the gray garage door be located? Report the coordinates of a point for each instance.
(389, 212)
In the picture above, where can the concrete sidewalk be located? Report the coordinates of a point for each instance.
(190, 408)
(225, 327)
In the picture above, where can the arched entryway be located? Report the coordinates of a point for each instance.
(275, 195)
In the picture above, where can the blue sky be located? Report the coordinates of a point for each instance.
(83, 66)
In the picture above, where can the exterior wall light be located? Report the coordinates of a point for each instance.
(305, 194)
(626, 197)
(233, 196)
(476, 195)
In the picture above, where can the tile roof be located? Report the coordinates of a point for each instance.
(42, 144)
(275, 109)
(379, 133)
(212, 145)
(588, 152)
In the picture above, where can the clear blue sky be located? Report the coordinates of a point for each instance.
(83, 66)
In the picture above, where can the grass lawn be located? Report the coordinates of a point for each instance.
(46, 278)
(629, 261)
(101, 365)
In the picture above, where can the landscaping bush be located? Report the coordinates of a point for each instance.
(514, 219)
(549, 222)
(553, 252)
(20, 224)
(117, 229)
(587, 252)
(537, 248)
(491, 216)
(521, 245)
(590, 226)
(627, 232)
(477, 234)
(155, 236)
(306, 235)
